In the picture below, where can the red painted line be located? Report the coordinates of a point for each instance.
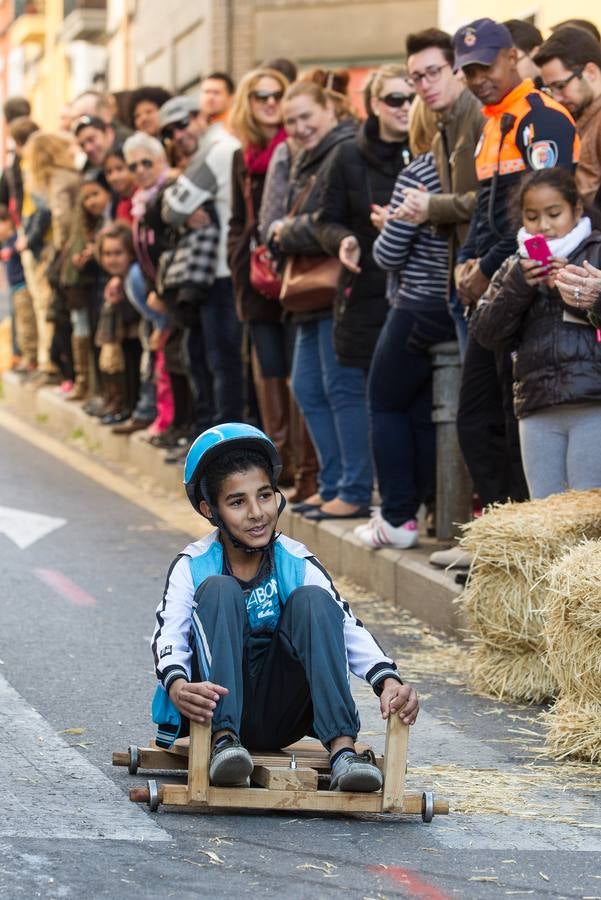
(65, 587)
(408, 879)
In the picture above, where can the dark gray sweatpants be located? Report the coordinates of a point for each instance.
(281, 686)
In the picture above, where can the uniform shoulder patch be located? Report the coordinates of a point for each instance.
(543, 155)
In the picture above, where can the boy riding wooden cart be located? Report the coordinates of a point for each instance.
(252, 647)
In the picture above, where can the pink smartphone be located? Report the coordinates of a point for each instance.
(538, 249)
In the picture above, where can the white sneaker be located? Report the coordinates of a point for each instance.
(455, 558)
(378, 533)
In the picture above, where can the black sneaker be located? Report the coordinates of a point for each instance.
(231, 763)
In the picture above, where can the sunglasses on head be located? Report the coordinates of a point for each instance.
(145, 163)
(397, 100)
(265, 96)
(169, 130)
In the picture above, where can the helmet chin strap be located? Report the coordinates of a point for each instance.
(216, 520)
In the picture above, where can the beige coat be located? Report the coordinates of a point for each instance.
(63, 190)
(588, 170)
(454, 146)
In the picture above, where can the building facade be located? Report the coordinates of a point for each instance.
(544, 13)
(51, 50)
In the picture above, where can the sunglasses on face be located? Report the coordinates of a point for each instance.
(145, 163)
(266, 96)
(395, 101)
(169, 130)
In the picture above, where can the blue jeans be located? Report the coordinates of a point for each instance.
(273, 342)
(332, 398)
(399, 391)
(136, 290)
(457, 311)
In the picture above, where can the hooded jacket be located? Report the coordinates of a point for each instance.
(556, 361)
(359, 173)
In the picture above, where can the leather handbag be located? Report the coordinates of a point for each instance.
(310, 283)
(264, 276)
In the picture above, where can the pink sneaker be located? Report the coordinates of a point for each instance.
(379, 533)
(66, 387)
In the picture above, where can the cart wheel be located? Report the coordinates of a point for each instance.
(134, 760)
(153, 795)
(427, 806)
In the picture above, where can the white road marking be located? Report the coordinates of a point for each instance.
(25, 528)
(48, 790)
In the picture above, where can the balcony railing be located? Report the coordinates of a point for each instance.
(28, 7)
(83, 20)
(73, 5)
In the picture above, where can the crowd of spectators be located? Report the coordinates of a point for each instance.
(284, 253)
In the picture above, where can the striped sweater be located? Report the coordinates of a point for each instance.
(416, 256)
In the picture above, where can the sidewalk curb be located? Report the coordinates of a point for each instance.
(403, 577)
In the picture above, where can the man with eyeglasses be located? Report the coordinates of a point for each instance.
(570, 63)
(214, 342)
(525, 129)
(430, 59)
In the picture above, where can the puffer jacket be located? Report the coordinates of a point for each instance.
(556, 361)
(359, 173)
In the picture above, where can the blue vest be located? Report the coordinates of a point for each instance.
(290, 574)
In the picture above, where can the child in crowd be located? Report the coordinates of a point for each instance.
(80, 276)
(557, 368)
(121, 181)
(251, 636)
(117, 331)
(25, 336)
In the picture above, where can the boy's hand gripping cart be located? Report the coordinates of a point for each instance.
(288, 779)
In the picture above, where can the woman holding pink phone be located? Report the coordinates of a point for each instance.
(557, 368)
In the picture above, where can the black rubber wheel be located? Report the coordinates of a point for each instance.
(134, 760)
(153, 795)
(427, 806)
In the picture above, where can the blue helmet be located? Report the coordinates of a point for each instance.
(215, 441)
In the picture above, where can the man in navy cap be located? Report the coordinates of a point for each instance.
(525, 129)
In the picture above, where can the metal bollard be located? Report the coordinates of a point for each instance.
(453, 483)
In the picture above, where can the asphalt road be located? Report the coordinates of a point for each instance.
(76, 681)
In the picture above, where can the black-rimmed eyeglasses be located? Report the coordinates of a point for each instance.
(430, 75)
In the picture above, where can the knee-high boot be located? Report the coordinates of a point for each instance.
(273, 398)
(307, 467)
(82, 350)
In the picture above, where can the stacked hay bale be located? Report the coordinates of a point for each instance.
(572, 620)
(513, 546)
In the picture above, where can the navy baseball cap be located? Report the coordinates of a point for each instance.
(480, 42)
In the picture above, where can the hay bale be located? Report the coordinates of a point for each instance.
(574, 730)
(503, 610)
(511, 676)
(513, 546)
(573, 622)
(573, 634)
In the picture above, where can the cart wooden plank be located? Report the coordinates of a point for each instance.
(280, 778)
